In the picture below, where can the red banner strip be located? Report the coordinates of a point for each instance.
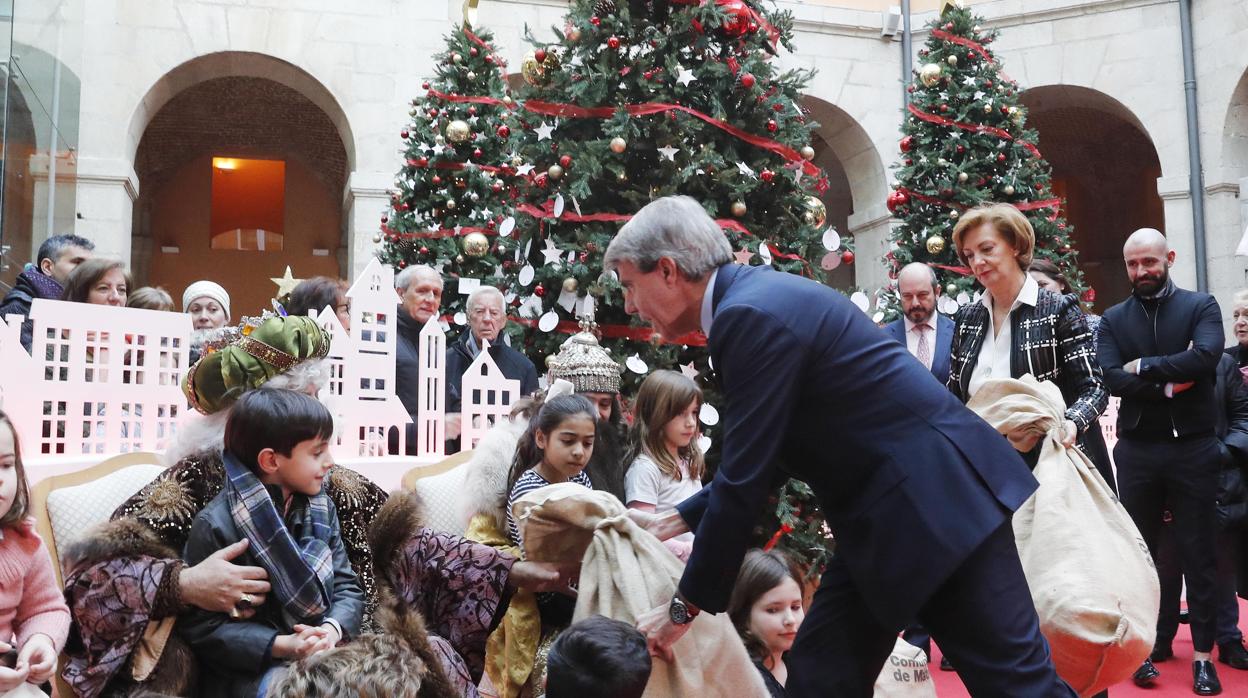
(641, 334)
(1053, 203)
(962, 41)
(476, 39)
(649, 108)
(957, 270)
(463, 99)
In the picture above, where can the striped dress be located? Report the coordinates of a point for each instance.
(528, 481)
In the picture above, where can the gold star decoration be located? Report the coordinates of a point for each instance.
(285, 283)
(946, 5)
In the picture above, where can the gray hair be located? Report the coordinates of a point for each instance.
(676, 227)
(482, 291)
(405, 278)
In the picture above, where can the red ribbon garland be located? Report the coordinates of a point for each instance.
(963, 41)
(974, 128)
(492, 169)
(469, 98)
(646, 109)
(477, 40)
(1054, 203)
(781, 532)
(641, 334)
(964, 271)
(439, 233)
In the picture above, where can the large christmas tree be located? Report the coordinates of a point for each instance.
(639, 100)
(454, 188)
(965, 142)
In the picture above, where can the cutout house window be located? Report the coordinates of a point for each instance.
(248, 204)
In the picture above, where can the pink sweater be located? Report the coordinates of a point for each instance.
(30, 599)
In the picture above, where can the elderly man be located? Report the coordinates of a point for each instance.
(927, 334)
(420, 296)
(487, 315)
(1159, 349)
(58, 256)
(917, 489)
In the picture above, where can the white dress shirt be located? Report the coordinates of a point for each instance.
(912, 335)
(994, 352)
(708, 304)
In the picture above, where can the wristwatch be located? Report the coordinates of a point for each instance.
(680, 612)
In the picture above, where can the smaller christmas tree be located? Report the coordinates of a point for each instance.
(452, 192)
(965, 142)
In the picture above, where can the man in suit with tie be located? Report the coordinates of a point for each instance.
(917, 490)
(926, 333)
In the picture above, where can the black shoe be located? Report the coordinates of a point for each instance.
(1233, 654)
(1146, 674)
(945, 664)
(1205, 679)
(1161, 652)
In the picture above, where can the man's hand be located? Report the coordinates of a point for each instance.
(1132, 367)
(38, 658)
(661, 526)
(661, 633)
(453, 421)
(216, 584)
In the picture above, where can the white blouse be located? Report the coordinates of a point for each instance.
(994, 352)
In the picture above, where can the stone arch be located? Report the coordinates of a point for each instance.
(857, 182)
(1105, 166)
(1235, 131)
(249, 106)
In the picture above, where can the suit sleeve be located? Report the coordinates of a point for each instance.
(1119, 382)
(1080, 369)
(761, 364)
(347, 603)
(238, 645)
(1198, 362)
(1236, 438)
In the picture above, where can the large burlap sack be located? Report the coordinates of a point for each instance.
(626, 572)
(1091, 576)
(905, 674)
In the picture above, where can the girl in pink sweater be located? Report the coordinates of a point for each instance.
(34, 619)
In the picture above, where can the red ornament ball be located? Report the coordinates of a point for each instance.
(594, 21)
(385, 218)
(496, 187)
(402, 263)
(613, 42)
(565, 161)
(433, 113)
(424, 85)
(740, 18)
(946, 193)
(747, 80)
(473, 52)
(896, 200)
(477, 154)
(777, 107)
(436, 180)
(961, 149)
(1000, 157)
(422, 161)
(847, 257)
(907, 143)
(472, 111)
(541, 180)
(424, 250)
(403, 134)
(767, 175)
(539, 290)
(772, 125)
(540, 55)
(948, 26)
(944, 107)
(503, 131)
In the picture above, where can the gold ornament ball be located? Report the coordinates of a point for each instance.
(954, 215)
(458, 131)
(935, 244)
(962, 177)
(952, 60)
(930, 73)
(618, 145)
(450, 204)
(570, 285)
(808, 153)
(459, 259)
(456, 58)
(1008, 190)
(816, 214)
(506, 99)
(1013, 112)
(574, 35)
(739, 208)
(376, 237)
(471, 75)
(951, 289)
(476, 244)
(538, 74)
(554, 172)
(987, 108)
(437, 138)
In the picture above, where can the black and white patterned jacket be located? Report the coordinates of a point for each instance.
(1051, 341)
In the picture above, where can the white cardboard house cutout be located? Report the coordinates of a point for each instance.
(101, 380)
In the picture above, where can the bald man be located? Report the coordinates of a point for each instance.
(1159, 350)
(927, 334)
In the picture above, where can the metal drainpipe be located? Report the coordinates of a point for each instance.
(905, 52)
(1196, 186)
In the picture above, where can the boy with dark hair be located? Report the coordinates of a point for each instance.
(45, 278)
(598, 656)
(276, 456)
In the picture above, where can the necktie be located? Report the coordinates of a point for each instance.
(925, 347)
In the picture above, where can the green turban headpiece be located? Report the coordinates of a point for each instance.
(260, 353)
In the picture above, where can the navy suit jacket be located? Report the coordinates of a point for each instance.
(940, 353)
(910, 481)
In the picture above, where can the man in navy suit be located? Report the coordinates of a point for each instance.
(917, 489)
(928, 335)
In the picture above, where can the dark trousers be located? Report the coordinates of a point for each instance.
(1181, 474)
(1226, 605)
(982, 617)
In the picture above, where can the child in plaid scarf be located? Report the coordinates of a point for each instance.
(273, 508)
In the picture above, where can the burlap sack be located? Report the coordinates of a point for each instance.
(626, 572)
(905, 674)
(1091, 576)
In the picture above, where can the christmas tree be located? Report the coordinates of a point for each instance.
(965, 142)
(454, 188)
(640, 100)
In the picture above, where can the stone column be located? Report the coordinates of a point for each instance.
(871, 228)
(107, 190)
(367, 198)
(1177, 200)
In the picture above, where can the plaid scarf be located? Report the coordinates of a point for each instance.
(43, 285)
(301, 573)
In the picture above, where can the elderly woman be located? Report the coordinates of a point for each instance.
(1018, 328)
(127, 586)
(208, 304)
(100, 281)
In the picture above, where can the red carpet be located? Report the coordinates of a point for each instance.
(1176, 673)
